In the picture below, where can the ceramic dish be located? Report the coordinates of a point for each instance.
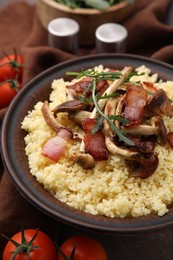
(15, 160)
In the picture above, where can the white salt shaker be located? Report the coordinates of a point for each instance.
(111, 37)
(63, 34)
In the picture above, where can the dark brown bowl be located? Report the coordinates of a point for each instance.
(15, 160)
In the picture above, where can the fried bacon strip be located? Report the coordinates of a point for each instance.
(94, 143)
(136, 99)
(80, 86)
(55, 147)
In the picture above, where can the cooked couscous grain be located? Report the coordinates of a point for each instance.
(107, 189)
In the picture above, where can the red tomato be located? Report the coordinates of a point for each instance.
(42, 247)
(8, 90)
(86, 248)
(11, 67)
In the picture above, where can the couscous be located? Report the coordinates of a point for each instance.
(109, 187)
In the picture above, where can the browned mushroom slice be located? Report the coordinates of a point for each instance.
(119, 108)
(69, 106)
(159, 104)
(49, 118)
(78, 116)
(114, 149)
(161, 132)
(85, 160)
(139, 130)
(70, 94)
(143, 166)
(53, 122)
(156, 128)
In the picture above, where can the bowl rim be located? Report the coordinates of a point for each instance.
(137, 225)
(84, 11)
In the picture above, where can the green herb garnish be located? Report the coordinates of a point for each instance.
(96, 4)
(104, 75)
(120, 134)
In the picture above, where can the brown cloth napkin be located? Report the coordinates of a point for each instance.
(149, 35)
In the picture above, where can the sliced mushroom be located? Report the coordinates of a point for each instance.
(49, 118)
(161, 131)
(85, 160)
(70, 94)
(139, 130)
(69, 107)
(157, 128)
(119, 108)
(53, 122)
(144, 166)
(110, 109)
(116, 150)
(78, 116)
(111, 89)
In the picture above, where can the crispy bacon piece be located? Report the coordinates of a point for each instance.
(81, 85)
(136, 99)
(94, 143)
(102, 85)
(55, 147)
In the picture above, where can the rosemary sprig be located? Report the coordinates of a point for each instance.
(105, 75)
(98, 97)
(120, 134)
(98, 125)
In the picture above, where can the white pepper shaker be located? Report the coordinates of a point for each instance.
(111, 37)
(63, 34)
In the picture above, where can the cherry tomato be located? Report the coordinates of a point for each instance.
(82, 248)
(11, 67)
(34, 244)
(8, 90)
